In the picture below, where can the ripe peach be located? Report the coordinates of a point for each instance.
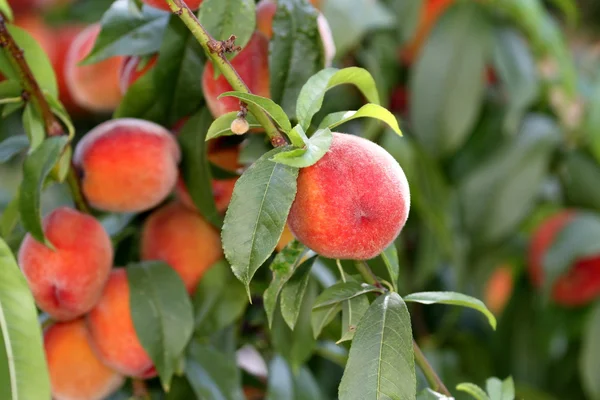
(75, 371)
(222, 188)
(112, 333)
(352, 203)
(499, 288)
(252, 64)
(67, 282)
(183, 239)
(265, 12)
(64, 37)
(579, 285)
(162, 4)
(96, 86)
(130, 71)
(127, 165)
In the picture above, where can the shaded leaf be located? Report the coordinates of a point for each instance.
(321, 317)
(281, 383)
(141, 101)
(352, 312)
(223, 18)
(12, 146)
(293, 292)
(343, 291)
(589, 363)
(34, 126)
(390, 259)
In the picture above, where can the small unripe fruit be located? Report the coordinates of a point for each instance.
(239, 126)
(68, 281)
(352, 203)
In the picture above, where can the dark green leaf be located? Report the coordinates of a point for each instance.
(390, 259)
(115, 223)
(577, 240)
(267, 105)
(10, 88)
(256, 216)
(352, 312)
(36, 168)
(141, 101)
(343, 291)
(23, 371)
(222, 125)
(321, 317)
(474, 390)
(10, 217)
(315, 149)
(296, 51)
(124, 33)
(212, 374)
(11, 108)
(223, 18)
(452, 298)
(162, 314)
(589, 363)
(334, 120)
(591, 125)
(177, 73)
(313, 92)
(500, 390)
(12, 146)
(447, 81)
(283, 267)
(579, 175)
(293, 292)
(220, 299)
(34, 126)
(195, 166)
(381, 363)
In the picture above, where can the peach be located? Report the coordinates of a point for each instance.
(131, 72)
(183, 239)
(222, 188)
(352, 203)
(162, 4)
(265, 12)
(498, 289)
(252, 65)
(95, 87)
(578, 286)
(67, 282)
(64, 37)
(112, 333)
(75, 371)
(127, 165)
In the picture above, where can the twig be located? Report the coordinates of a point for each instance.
(432, 377)
(216, 51)
(367, 274)
(32, 92)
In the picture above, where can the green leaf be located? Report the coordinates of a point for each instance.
(195, 167)
(474, 390)
(223, 18)
(390, 259)
(293, 292)
(352, 312)
(222, 125)
(570, 9)
(500, 390)
(220, 299)
(177, 73)
(591, 124)
(59, 110)
(6, 10)
(313, 92)
(283, 267)
(447, 83)
(141, 101)
(34, 126)
(36, 168)
(381, 363)
(162, 314)
(10, 217)
(10, 88)
(23, 371)
(343, 291)
(267, 105)
(212, 374)
(589, 363)
(517, 70)
(124, 33)
(281, 383)
(12, 146)
(256, 216)
(334, 120)
(296, 51)
(36, 59)
(452, 298)
(306, 386)
(315, 149)
(10, 108)
(321, 317)
(579, 174)
(577, 240)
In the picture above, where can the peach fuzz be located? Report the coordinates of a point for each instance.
(352, 203)
(96, 86)
(265, 12)
(127, 165)
(75, 371)
(162, 4)
(222, 188)
(112, 332)
(183, 239)
(581, 283)
(68, 281)
(131, 72)
(252, 65)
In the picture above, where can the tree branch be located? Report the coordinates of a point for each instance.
(215, 50)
